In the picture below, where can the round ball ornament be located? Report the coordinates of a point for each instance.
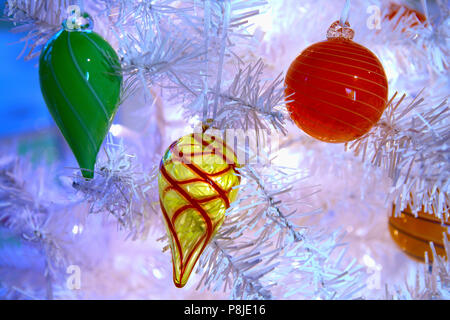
(413, 234)
(336, 89)
(80, 81)
(197, 181)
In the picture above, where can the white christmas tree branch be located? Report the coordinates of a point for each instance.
(40, 19)
(316, 269)
(239, 272)
(27, 212)
(415, 46)
(432, 280)
(121, 188)
(258, 240)
(411, 143)
(252, 103)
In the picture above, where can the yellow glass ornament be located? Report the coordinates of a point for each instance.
(197, 179)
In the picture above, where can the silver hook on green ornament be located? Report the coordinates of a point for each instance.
(78, 21)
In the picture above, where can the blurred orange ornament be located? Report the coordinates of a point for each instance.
(414, 234)
(405, 13)
(337, 88)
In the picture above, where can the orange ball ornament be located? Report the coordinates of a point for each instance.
(336, 89)
(413, 234)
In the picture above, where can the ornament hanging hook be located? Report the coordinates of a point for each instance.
(345, 13)
(81, 5)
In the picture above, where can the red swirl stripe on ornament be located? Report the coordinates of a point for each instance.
(177, 241)
(195, 205)
(203, 154)
(211, 182)
(206, 151)
(184, 208)
(188, 181)
(209, 145)
(206, 177)
(219, 173)
(179, 211)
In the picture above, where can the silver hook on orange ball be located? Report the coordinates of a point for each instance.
(78, 21)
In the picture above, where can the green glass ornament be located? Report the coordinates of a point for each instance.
(80, 81)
